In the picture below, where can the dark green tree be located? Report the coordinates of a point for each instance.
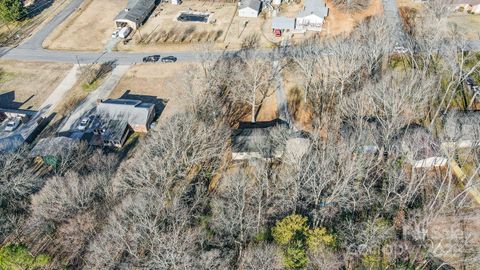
(11, 10)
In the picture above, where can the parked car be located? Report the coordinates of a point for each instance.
(124, 32)
(85, 123)
(151, 58)
(115, 33)
(169, 59)
(13, 124)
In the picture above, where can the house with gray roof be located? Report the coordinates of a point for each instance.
(312, 17)
(116, 118)
(135, 14)
(29, 125)
(268, 140)
(249, 8)
(461, 129)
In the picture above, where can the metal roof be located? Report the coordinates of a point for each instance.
(137, 11)
(315, 7)
(283, 23)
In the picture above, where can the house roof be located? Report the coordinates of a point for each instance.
(114, 130)
(136, 11)
(56, 147)
(283, 23)
(315, 7)
(253, 4)
(462, 126)
(11, 143)
(134, 112)
(257, 137)
(469, 2)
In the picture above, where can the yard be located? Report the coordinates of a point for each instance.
(26, 85)
(163, 32)
(339, 22)
(468, 24)
(88, 29)
(164, 81)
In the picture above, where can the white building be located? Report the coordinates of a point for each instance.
(249, 8)
(471, 6)
(312, 16)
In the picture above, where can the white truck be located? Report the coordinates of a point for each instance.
(124, 32)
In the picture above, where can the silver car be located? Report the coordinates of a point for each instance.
(12, 124)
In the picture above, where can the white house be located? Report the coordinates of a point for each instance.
(312, 16)
(471, 6)
(249, 8)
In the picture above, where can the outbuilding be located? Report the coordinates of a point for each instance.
(135, 14)
(249, 8)
(283, 23)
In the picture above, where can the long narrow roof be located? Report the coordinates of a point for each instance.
(136, 11)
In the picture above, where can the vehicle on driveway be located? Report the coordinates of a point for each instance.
(151, 58)
(124, 32)
(169, 59)
(85, 123)
(115, 33)
(13, 124)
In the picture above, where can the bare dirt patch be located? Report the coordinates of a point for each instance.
(89, 28)
(29, 83)
(338, 21)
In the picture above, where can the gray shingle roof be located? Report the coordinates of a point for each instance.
(283, 23)
(462, 126)
(134, 112)
(56, 147)
(137, 11)
(253, 4)
(316, 7)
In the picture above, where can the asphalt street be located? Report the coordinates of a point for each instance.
(32, 50)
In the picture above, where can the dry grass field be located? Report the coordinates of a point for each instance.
(88, 29)
(30, 83)
(164, 81)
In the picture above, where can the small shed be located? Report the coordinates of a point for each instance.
(249, 8)
(283, 23)
(52, 150)
(136, 12)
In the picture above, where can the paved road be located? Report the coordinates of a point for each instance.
(37, 39)
(89, 103)
(32, 49)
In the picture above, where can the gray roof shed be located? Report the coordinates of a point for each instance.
(316, 7)
(283, 23)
